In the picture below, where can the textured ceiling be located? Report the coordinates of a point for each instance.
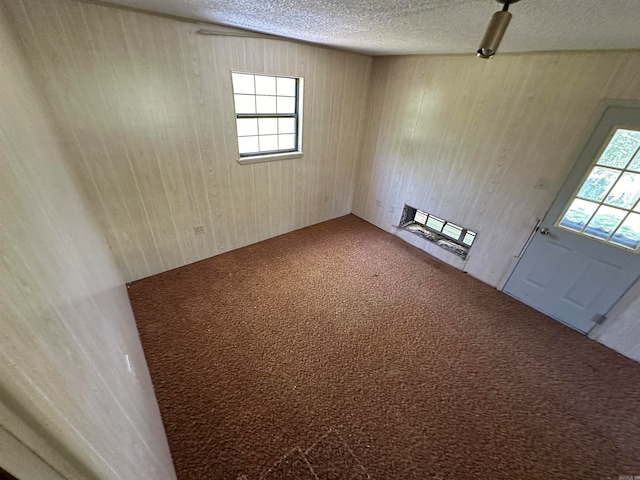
(389, 27)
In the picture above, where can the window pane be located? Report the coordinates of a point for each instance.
(265, 85)
(469, 237)
(286, 125)
(578, 214)
(452, 230)
(268, 143)
(247, 126)
(287, 142)
(628, 235)
(266, 104)
(286, 105)
(287, 86)
(260, 100)
(635, 164)
(245, 104)
(420, 217)
(604, 222)
(242, 83)
(248, 144)
(268, 126)
(621, 148)
(598, 183)
(435, 223)
(626, 191)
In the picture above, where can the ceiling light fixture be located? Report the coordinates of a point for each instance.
(495, 30)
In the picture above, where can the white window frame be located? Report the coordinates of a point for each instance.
(628, 211)
(257, 157)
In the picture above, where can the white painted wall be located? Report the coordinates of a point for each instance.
(469, 140)
(145, 107)
(65, 392)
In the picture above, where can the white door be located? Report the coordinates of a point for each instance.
(586, 252)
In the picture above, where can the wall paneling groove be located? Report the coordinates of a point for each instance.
(146, 111)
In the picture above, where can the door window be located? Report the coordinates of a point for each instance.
(607, 205)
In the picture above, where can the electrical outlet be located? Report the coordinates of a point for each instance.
(326, 198)
(198, 229)
(378, 203)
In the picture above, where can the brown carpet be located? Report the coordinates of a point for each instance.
(341, 352)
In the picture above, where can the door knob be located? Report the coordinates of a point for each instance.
(544, 231)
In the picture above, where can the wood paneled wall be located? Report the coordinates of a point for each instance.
(143, 105)
(65, 321)
(485, 144)
(145, 108)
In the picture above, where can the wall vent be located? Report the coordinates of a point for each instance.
(445, 234)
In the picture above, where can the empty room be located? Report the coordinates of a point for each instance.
(319, 240)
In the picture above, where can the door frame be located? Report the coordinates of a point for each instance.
(21, 462)
(28, 451)
(573, 175)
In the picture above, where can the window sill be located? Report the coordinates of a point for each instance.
(269, 158)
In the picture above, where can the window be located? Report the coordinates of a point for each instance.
(268, 115)
(443, 233)
(606, 207)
